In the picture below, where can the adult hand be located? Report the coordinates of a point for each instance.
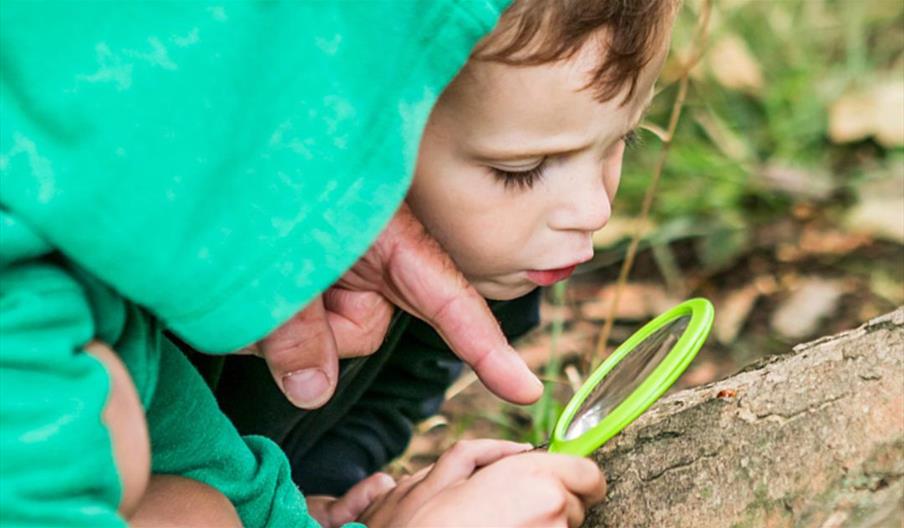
(407, 268)
(492, 482)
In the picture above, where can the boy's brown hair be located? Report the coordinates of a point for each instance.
(533, 32)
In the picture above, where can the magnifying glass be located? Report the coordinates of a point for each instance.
(634, 376)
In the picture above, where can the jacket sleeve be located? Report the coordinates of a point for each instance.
(191, 437)
(410, 388)
(56, 457)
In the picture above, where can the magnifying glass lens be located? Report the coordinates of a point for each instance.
(626, 376)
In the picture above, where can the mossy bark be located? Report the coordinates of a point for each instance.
(813, 438)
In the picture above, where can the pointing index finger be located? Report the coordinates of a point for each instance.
(466, 323)
(423, 280)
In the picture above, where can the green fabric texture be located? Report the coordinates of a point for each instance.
(220, 165)
(202, 168)
(56, 463)
(55, 456)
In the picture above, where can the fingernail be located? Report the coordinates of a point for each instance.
(308, 388)
(537, 383)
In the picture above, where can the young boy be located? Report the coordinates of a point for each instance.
(88, 255)
(517, 167)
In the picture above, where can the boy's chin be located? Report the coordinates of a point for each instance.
(494, 291)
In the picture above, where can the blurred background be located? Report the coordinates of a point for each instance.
(781, 201)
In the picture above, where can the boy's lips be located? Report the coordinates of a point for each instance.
(551, 276)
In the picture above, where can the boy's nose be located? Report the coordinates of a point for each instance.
(585, 206)
(586, 203)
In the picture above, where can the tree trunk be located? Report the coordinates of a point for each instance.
(814, 438)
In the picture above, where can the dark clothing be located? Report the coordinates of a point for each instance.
(379, 399)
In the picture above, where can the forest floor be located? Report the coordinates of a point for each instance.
(776, 295)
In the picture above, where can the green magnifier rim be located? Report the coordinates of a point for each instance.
(651, 389)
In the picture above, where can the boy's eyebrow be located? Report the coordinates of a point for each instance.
(553, 149)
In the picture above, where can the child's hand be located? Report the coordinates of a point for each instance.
(332, 512)
(480, 483)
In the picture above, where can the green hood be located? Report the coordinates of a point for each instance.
(220, 165)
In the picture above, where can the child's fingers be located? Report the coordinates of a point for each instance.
(319, 508)
(461, 460)
(579, 475)
(404, 484)
(351, 505)
(574, 511)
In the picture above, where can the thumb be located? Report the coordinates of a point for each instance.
(302, 357)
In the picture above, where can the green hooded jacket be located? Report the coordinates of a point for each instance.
(205, 169)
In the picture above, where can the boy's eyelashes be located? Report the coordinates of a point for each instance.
(520, 180)
(631, 139)
(526, 179)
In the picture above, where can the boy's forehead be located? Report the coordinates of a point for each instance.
(524, 104)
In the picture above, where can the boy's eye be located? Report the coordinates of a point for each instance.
(522, 180)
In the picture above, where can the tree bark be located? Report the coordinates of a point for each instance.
(813, 438)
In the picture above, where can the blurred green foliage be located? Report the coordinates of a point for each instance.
(547, 409)
(795, 105)
(756, 134)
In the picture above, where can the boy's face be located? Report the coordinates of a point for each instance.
(518, 166)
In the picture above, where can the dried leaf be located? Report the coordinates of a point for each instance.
(537, 351)
(852, 117)
(889, 125)
(733, 310)
(880, 211)
(873, 111)
(701, 373)
(830, 242)
(733, 65)
(639, 301)
(796, 181)
(799, 315)
(619, 228)
(884, 285)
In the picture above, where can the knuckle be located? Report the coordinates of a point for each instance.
(552, 497)
(590, 470)
(310, 337)
(588, 465)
